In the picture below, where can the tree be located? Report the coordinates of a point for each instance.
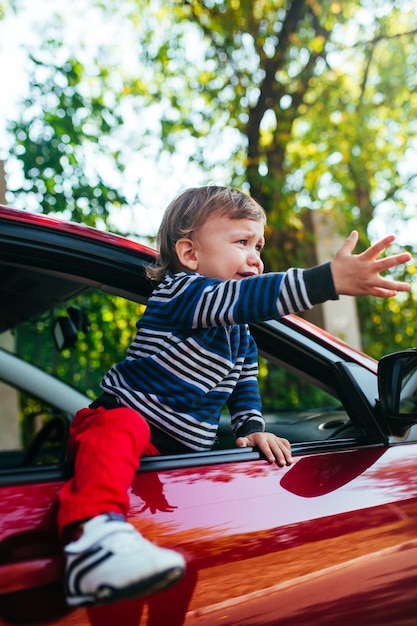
(62, 129)
(308, 105)
(316, 101)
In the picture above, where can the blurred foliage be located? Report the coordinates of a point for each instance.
(111, 328)
(56, 137)
(282, 390)
(390, 325)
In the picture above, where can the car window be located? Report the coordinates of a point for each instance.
(77, 343)
(98, 327)
(293, 408)
(33, 431)
(283, 390)
(297, 409)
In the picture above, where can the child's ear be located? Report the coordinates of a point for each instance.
(187, 254)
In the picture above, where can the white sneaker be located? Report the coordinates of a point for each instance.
(112, 561)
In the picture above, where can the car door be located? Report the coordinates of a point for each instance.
(331, 539)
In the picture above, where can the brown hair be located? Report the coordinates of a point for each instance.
(186, 213)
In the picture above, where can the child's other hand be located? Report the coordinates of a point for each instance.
(276, 449)
(359, 275)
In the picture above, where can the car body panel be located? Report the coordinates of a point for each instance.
(254, 532)
(329, 540)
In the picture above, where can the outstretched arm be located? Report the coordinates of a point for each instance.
(359, 274)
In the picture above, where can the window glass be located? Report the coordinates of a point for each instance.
(96, 329)
(104, 327)
(281, 390)
(33, 431)
(297, 409)
(292, 408)
(99, 326)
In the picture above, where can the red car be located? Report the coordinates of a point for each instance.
(329, 540)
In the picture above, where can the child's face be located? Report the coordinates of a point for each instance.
(229, 249)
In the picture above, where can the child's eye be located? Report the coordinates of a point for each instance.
(259, 247)
(244, 242)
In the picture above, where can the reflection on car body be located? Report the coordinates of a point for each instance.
(331, 539)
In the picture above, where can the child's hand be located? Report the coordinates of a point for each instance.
(276, 449)
(359, 275)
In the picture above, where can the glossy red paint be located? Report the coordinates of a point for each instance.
(263, 545)
(61, 225)
(326, 339)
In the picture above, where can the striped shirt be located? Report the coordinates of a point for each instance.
(193, 352)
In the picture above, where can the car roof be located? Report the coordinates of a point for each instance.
(39, 220)
(45, 261)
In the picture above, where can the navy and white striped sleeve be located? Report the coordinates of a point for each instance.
(194, 301)
(302, 289)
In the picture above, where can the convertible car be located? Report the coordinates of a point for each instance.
(330, 540)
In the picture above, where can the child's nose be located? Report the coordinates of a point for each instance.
(254, 259)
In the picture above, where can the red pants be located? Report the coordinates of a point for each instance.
(105, 446)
